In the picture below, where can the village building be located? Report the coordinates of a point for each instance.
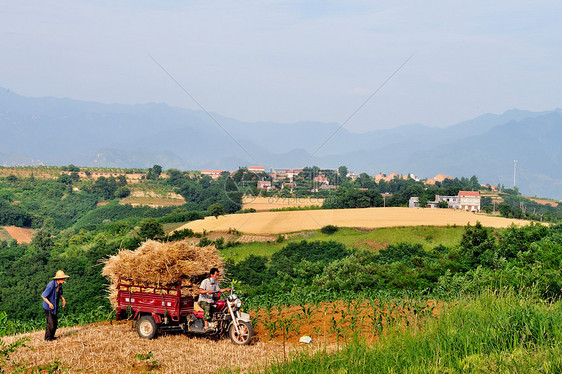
(452, 201)
(289, 185)
(265, 185)
(278, 175)
(214, 174)
(256, 169)
(292, 173)
(379, 177)
(441, 177)
(414, 202)
(469, 200)
(321, 179)
(133, 177)
(466, 200)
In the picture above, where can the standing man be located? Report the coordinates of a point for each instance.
(206, 290)
(51, 296)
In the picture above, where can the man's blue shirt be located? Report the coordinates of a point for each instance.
(51, 294)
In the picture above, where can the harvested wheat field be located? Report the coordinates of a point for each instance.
(291, 221)
(265, 204)
(20, 234)
(116, 347)
(113, 348)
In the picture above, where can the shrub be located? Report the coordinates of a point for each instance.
(329, 229)
(150, 228)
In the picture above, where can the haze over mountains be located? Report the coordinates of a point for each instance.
(52, 131)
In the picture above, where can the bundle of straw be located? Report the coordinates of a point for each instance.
(162, 264)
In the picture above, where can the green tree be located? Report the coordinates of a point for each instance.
(154, 172)
(122, 192)
(150, 228)
(216, 210)
(505, 209)
(442, 204)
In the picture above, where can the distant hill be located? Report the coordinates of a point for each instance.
(53, 131)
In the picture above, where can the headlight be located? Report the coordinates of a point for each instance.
(233, 297)
(238, 303)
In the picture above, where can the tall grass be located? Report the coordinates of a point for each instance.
(501, 332)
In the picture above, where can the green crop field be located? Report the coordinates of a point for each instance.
(376, 239)
(493, 332)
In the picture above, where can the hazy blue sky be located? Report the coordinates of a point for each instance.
(291, 60)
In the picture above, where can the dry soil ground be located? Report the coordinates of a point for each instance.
(105, 348)
(152, 199)
(20, 234)
(291, 221)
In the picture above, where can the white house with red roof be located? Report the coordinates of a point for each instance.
(469, 200)
(256, 169)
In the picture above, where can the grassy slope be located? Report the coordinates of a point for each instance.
(428, 236)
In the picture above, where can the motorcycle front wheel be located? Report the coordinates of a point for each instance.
(246, 333)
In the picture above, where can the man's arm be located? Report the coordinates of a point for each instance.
(46, 293)
(203, 287)
(51, 306)
(63, 301)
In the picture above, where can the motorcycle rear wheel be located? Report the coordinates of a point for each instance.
(147, 328)
(246, 333)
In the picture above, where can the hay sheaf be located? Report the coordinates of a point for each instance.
(160, 264)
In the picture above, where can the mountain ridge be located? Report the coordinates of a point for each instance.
(55, 131)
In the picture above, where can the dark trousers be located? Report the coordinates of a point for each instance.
(52, 323)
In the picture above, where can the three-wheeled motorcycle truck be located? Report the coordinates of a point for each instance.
(162, 307)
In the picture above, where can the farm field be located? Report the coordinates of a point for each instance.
(21, 235)
(503, 330)
(367, 239)
(292, 221)
(153, 199)
(265, 204)
(114, 347)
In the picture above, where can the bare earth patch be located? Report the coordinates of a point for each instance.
(545, 202)
(256, 238)
(375, 246)
(153, 199)
(291, 221)
(20, 234)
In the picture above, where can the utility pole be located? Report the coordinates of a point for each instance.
(514, 170)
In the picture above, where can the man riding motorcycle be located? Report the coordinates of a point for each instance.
(207, 289)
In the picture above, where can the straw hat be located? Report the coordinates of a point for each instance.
(60, 275)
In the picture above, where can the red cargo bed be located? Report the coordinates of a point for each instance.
(158, 301)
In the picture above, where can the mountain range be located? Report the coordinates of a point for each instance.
(61, 131)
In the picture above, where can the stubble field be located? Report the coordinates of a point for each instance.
(291, 221)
